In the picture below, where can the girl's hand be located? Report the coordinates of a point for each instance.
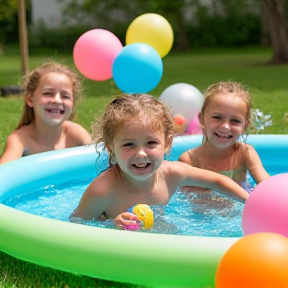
(127, 221)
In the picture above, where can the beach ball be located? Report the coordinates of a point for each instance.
(138, 68)
(266, 209)
(184, 99)
(94, 53)
(257, 260)
(152, 29)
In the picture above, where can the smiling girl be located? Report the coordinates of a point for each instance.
(50, 93)
(225, 118)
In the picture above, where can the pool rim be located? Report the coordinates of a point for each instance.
(124, 256)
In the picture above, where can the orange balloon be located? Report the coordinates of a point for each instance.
(256, 260)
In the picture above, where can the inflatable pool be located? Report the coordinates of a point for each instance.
(110, 254)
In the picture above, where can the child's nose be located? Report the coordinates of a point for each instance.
(225, 125)
(57, 98)
(142, 153)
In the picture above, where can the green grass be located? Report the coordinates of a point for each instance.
(268, 86)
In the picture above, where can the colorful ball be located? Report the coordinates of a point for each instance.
(152, 29)
(145, 214)
(257, 260)
(94, 53)
(266, 209)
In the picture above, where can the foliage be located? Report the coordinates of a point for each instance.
(9, 20)
(220, 24)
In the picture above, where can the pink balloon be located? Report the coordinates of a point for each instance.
(194, 126)
(266, 209)
(94, 53)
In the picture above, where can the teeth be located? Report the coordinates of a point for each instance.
(141, 165)
(224, 136)
(54, 111)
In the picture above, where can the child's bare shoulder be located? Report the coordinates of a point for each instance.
(21, 134)
(105, 183)
(190, 156)
(77, 134)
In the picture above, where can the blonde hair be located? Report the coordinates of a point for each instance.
(127, 108)
(31, 81)
(234, 88)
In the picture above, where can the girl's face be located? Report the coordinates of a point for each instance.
(138, 149)
(224, 120)
(52, 101)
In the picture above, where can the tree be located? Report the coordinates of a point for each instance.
(274, 21)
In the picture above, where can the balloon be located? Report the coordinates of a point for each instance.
(257, 260)
(138, 68)
(266, 208)
(184, 99)
(152, 29)
(194, 126)
(94, 53)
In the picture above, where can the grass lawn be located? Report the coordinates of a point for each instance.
(267, 84)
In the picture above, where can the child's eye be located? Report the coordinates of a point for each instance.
(66, 96)
(236, 121)
(47, 93)
(127, 144)
(152, 143)
(216, 117)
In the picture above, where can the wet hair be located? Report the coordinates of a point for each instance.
(234, 88)
(31, 81)
(127, 108)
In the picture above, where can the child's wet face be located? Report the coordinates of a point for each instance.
(52, 100)
(224, 119)
(139, 149)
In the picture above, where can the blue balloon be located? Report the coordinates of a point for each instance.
(138, 68)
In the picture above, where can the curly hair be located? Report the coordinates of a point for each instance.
(127, 108)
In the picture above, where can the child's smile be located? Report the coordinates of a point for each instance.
(138, 148)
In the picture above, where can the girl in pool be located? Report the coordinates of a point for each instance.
(137, 131)
(225, 118)
(50, 92)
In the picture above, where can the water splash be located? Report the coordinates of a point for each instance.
(259, 121)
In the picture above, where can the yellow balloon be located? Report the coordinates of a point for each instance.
(152, 29)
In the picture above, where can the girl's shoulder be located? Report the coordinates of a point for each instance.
(246, 150)
(107, 181)
(21, 134)
(191, 156)
(76, 133)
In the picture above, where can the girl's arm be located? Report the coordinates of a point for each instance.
(254, 165)
(93, 202)
(14, 149)
(193, 176)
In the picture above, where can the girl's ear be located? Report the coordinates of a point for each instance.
(29, 99)
(247, 124)
(168, 144)
(200, 118)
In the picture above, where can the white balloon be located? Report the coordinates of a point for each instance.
(184, 99)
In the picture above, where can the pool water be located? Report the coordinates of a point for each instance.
(188, 213)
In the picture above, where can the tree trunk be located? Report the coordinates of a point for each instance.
(274, 15)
